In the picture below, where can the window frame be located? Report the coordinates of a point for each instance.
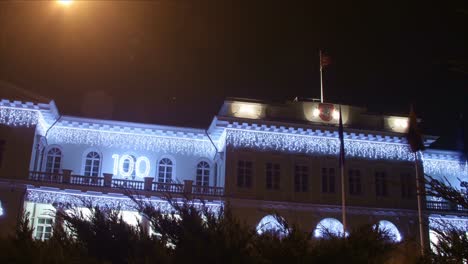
(85, 158)
(272, 175)
(43, 226)
(172, 173)
(244, 174)
(301, 177)
(204, 179)
(328, 180)
(381, 183)
(355, 182)
(46, 155)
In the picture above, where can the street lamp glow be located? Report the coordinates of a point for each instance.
(65, 2)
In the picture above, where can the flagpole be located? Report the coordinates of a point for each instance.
(321, 81)
(418, 188)
(343, 200)
(342, 169)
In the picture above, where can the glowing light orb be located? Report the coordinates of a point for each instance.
(390, 229)
(327, 227)
(269, 223)
(65, 2)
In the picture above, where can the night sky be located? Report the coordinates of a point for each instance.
(174, 62)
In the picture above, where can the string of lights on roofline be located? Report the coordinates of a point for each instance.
(23, 118)
(237, 138)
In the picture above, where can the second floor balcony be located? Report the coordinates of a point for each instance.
(107, 181)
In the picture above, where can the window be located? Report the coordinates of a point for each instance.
(203, 174)
(354, 178)
(244, 174)
(407, 186)
(2, 149)
(127, 167)
(301, 178)
(43, 228)
(328, 180)
(165, 170)
(92, 164)
(54, 157)
(380, 183)
(272, 176)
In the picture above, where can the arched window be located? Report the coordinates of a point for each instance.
(92, 164)
(165, 170)
(329, 227)
(390, 229)
(129, 166)
(203, 174)
(270, 224)
(53, 159)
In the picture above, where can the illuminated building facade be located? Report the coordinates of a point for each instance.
(261, 157)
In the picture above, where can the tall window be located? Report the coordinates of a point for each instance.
(354, 179)
(43, 228)
(244, 174)
(92, 164)
(54, 157)
(2, 149)
(272, 176)
(165, 170)
(301, 178)
(381, 183)
(127, 166)
(407, 186)
(203, 174)
(328, 180)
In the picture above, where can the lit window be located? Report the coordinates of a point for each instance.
(92, 164)
(203, 174)
(328, 180)
(329, 227)
(1, 209)
(389, 229)
(165, 170)
(43, 228)
(244, 174)
(272, 176)
(53, 159)
(381, 183)
(270, 225)
(301, 178)
(354, 180)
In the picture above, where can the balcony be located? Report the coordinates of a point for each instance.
(444, 206)
(148, 186)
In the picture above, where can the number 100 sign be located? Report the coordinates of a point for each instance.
(125, 165)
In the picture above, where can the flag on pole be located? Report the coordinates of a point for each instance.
(414, 135)
(325, 60)
(341, 135)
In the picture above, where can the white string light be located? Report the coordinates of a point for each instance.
(123, 203)
(451, 169)
(304, 144)
(22, 118)
(174, 145)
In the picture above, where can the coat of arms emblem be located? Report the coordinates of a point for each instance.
(326, 111)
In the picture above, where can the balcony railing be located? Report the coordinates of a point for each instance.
(444, 206)
(210, 190)
(46, 176)
(107, 181)
(168, 187)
